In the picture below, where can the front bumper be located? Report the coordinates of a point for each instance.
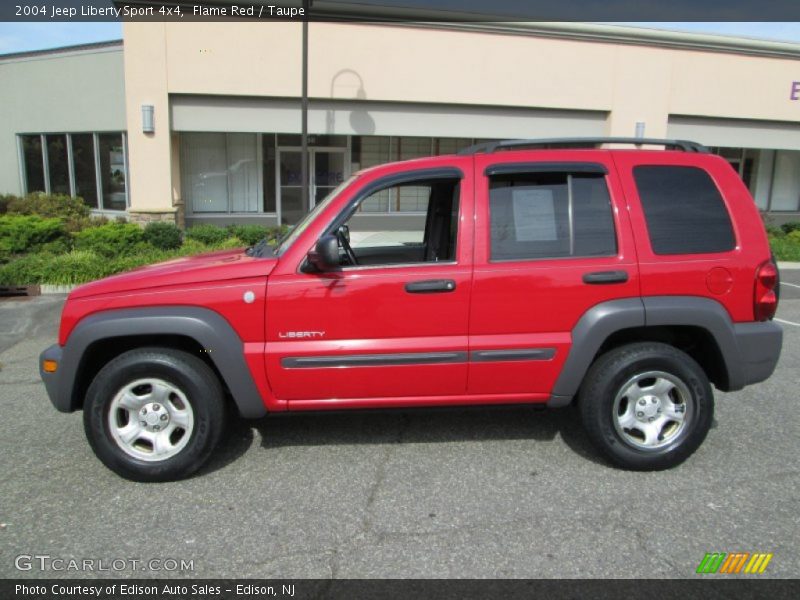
(51, 380)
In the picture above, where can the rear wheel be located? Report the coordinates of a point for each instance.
(646, 406)
(154, 414)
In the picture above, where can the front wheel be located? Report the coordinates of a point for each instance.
(646, 406)
(154, 414)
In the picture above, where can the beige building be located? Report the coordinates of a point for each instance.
(200, 122)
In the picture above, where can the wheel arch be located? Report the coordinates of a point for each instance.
(699, 326)
(102, 336)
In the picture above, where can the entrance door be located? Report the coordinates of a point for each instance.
(326, 170)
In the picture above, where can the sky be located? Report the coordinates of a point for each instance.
(23, 37)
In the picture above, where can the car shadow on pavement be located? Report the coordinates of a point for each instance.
(427, 426)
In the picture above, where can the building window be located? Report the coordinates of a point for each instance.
(84, 164)
(222, 172)
(57, 164)
(70, 164)
(34, 163)
(786, 181)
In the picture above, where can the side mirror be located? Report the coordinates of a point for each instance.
(325, 254)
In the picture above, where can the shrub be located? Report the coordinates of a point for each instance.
(786, 247)
(791, 226)
(71, 209)
(111, 240)
(775, 231)
(207, 234)
(5, 200)
(249, 234)
(28, 233)
(164, 236)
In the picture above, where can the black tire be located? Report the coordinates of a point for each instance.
(191, 377)
(613, 373)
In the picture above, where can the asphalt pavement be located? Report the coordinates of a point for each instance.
(504, 492)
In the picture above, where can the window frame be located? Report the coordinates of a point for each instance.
(569, 169)
(349, 209)
(72, 181)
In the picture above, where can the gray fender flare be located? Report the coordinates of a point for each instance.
(749, 351)
(592, 329)
(208, 328)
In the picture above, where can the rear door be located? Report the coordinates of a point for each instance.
(391, 330)
(552, 240)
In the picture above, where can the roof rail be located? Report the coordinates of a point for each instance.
(588, 142)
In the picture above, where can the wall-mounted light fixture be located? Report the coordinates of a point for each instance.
(639, 129)
(148, 118)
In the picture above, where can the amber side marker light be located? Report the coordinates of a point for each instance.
(49, 366)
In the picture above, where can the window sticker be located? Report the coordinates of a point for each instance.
(534, 215)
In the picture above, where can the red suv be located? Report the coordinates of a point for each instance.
(545, 272)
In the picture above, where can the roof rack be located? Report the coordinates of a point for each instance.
(589, 142)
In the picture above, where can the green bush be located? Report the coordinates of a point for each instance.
(207, 234)
(5, 200)
(71, 209)
(786, 247)
(164, 236)
(249, 234)
(791, 226)
(772, 230)
(28, 233)
(73, 267)
(111, 240)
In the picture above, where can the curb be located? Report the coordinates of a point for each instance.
(788, 266)
(46, 289)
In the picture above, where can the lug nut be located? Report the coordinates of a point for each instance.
(654, 400)
(144, 410)
(144, 423)
(157, 407)
(642, 402)
(640, 414)
(156, 427)
(163, 417)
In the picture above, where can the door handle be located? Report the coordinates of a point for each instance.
(602, 277)
(431, 286)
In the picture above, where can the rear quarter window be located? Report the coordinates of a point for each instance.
(684, 210)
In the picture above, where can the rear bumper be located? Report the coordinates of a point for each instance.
(56, 392)
(759, 347)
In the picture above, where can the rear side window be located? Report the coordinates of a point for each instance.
(684, 210)
(550, 215)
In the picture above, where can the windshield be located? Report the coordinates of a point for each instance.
(306, 221)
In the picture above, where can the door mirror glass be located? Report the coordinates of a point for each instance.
(325, 254)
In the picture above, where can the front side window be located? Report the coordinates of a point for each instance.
(427, 235)
(684, 210)
(535, 216)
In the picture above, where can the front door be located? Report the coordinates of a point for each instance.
(326, 170)
(392, 328)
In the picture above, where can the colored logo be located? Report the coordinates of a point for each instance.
(734, 563)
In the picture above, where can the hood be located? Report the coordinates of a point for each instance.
(216, 266)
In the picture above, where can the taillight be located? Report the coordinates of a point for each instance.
(765, 301)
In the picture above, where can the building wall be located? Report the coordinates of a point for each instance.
(80, 91)
(208, 66)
